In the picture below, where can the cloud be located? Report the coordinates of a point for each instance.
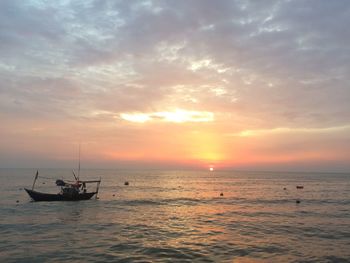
(323, 130)
(290, 52)
(177, 116)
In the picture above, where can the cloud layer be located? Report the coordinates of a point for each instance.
(254, 65)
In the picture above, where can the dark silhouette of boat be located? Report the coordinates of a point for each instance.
(38, 196)
(70, 191)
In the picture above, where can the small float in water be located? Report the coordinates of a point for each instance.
(300, 187)
(70, 191)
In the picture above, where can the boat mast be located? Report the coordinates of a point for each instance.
(36, 177)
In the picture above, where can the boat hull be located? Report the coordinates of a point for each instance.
(37, 196)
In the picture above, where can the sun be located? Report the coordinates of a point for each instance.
(211, 169)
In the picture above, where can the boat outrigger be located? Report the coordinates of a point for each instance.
(70, 191)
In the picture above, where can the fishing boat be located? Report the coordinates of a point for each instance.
(70, 191)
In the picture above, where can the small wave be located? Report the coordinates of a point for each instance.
(158, 202)
(183, 254)
(335, 259)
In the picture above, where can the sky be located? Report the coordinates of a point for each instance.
(258, 85)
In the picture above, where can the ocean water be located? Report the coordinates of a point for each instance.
(179, 216)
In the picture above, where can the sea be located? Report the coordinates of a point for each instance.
(178, 216)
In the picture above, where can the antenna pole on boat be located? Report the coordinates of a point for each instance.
(36, 177)
(79, 164)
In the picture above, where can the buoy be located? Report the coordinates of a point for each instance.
(17, 201)
(43, 182)
(297, 201)
(300, 187)
(113, 194)
(222, 194)
(284, 188)
(126, 183)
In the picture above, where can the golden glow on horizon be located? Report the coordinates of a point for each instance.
(195, 144)
(211, 169)
(177, 116)
(205, 146)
